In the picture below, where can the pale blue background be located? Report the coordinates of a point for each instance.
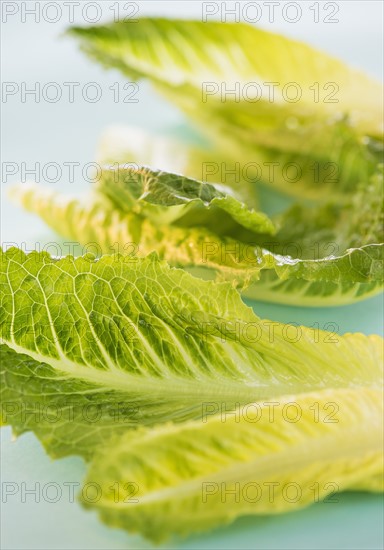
(62, 132)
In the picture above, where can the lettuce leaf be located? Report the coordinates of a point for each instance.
(166, 198)
(93, 222)
(227, 52)
(330, 241)
(187, 478)
(339, 124)
(243, 167)
(325, 255)
(91, 348)
(187, 155)
(133, 341)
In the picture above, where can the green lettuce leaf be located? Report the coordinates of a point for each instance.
(327, 255)
(226, 52)
(166, 198)
(340, 124)
(182, 154)
(187, 478)
(95, 224)
(133, 341)
(330, 241)
(242, 166)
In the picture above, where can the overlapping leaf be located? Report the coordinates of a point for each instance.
(181, 479)
(335, 117)
(323, 256)
(135, 341)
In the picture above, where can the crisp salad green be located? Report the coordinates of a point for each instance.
(194, 476)
(142, 358)
(93, 348)
(321, 255)
(329, 252)
(259, 97)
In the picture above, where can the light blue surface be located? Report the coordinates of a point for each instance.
(62, 132)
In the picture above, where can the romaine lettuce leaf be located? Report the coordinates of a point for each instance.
(133, 341)
(133, 146)
(91, 348)
(243, 166)
(191, 477)
(228, 52)
(325, 255)
(336, 119)
(95, 224)
(165, 198)
(330, 241)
